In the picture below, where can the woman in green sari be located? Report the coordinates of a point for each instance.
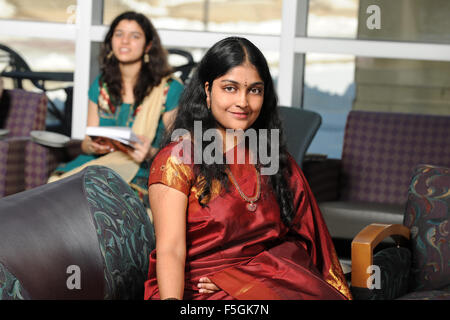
(136, 89)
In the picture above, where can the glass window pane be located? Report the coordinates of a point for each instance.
(236, 16)
(329, 89)
(245, 16)
(48, 10)
(399, 20)
(42, 55)
(333, 19)
(272, 57)
(336, 84)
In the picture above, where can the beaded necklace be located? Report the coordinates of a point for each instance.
(251, 205)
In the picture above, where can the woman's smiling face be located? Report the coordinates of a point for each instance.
(236, 98)
(128, 41)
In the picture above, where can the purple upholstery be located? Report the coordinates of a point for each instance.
(40, 161)
(27, 112)
(381, 150)
(12, 162)
(23, 163)
(427, 216)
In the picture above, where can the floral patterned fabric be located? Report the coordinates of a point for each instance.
(10, 286)
(426, 267)
(125, 234)
(427, 216)
(428, 295)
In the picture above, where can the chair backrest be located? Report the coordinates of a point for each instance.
(427, 215)
(299, 126)
(185, 68)
(381, 150)
(15, 62)
(23, 111)
(84, 237)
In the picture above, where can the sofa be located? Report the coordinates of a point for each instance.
(370, 182)
(24, 164)
(418, 267)
(84, 237)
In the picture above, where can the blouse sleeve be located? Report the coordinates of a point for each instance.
(172, 169)
(94, 90)
(173, 95)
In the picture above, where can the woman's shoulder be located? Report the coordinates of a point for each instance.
(172, 79)
(97, 80)
(94, 89)
(173, 166)
(175, 84)
(179, 152)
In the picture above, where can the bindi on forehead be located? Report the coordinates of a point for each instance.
(244, 82)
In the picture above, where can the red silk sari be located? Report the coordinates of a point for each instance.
(251, 255)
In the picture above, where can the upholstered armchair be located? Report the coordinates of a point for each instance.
(84, 237)
(300, 127)
(418, 267)
(369, 183)
(23, 163)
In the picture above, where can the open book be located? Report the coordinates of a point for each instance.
(119, 138)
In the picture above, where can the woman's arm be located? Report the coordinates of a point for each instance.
(88, 146)
(145, 150)
(169, 207)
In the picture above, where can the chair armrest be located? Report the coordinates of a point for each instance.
(12, 163)
(392, 282)
(364, 243)
(323, 177)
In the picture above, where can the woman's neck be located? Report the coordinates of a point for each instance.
(130, 73)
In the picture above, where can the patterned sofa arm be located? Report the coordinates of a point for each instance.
(12, 163)
(91, 222)
(23, 164)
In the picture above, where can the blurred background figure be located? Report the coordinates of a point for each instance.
(136, 89)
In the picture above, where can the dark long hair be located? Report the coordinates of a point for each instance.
(218, 60)
(150, 74)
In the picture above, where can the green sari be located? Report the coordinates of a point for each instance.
(124, 115)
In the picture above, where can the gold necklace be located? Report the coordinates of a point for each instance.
(251, 205)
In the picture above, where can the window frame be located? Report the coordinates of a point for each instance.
(292, 44)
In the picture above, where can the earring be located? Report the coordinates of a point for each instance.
(146, 58)
(110, 54)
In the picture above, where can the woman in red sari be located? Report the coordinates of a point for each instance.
(228, 229)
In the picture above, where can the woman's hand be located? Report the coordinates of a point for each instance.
(206, 286)
(141, 150)
(90, 147)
